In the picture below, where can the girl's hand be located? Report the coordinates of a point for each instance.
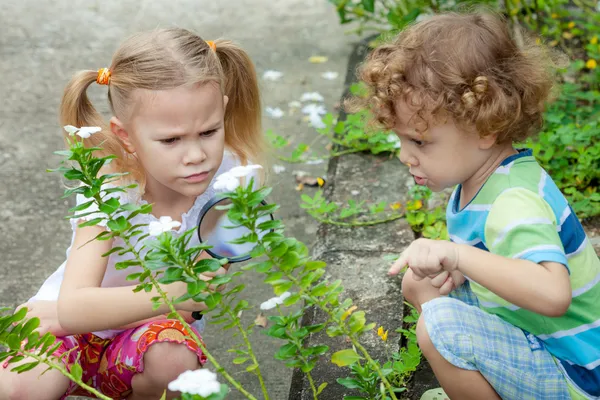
(427, 258)
(47, 312)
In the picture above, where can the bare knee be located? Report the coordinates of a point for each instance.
(30, 385)
(423, 339)
(163, 363)
(418, 292)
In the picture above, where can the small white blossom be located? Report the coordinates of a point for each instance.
(229, 180)
(275, 301)
(84, 132)
(294, 104)
(243, 170)
(316, 121)
(330, 75)
(272, 75)
(355, 193)
(314, 108)
(312, 96)
(274, 112)
(201, 382)
(392, 138)
(278, 169)
(164, 224)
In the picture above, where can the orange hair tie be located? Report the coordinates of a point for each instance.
(212, 45)
(103, 76)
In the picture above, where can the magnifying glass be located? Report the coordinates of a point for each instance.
(217, 230)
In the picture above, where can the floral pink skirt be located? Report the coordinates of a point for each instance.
(110, 364)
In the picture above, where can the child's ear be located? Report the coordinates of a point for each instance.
(487, 142)
(117, 128)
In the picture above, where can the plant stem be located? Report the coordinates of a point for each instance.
(250, 352)
(312, 385)
(374, 365)
(199, 342)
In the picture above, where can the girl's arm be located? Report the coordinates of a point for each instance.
(543, 288)
(84, 306)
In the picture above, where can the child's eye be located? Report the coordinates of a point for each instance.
(419, 143)
(169, 141)
(208, 133)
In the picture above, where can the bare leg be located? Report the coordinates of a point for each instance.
(458, 383)
(163, 363)
(418, 292)
(31, 385)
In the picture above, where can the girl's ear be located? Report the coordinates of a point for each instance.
(117, 128)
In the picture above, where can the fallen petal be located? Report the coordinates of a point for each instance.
(272, 75)
(330, 75)
(317, 59)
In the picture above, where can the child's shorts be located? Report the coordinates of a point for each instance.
(110, 364)
(515, 363)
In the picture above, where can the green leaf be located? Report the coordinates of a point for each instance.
(268, 225)
(357, 321)
(126, 264)
(92, 222)
(313, 265)
(240, 360)
(74, 175)
(193, 288)
(29, 327)
(119, 225)
(344, 358)
(207, 265)
(13, 341)
(82, 206)
(321, 387)
(110, 206)
(26, 367)
(19, 315)
(113, 250)
(286, 351)
(252, 367)
(77, 371)
(213, 300)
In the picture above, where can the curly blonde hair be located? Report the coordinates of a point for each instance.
(464, 66)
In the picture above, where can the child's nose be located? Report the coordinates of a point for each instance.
(195, 155)
(406, 157)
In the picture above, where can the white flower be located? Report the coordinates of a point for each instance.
(229, 180)
(275, 301)
(316, 121)
(294, 104)
(278, 169)
(392, 138)
(330, 75)
(274, 112)
(272, 75)
(202, 382)
(84, 132)
(242, 170)
(164, 224)
(314, 108)
(312, 96)
(226, 182)
(355, 193)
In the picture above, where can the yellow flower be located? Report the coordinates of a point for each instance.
(395, 206)
(567, 35)
(384, 336)
(554, 15)
(348, 312)
(594, 40)
(418, 205)
(538, 41)
(553, 43)
(591, 64)
(571, 25)
(300, 187)
(320, 181)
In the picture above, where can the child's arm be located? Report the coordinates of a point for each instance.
(84, 306)
(543, 288)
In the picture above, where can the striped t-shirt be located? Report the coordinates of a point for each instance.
(520, 213)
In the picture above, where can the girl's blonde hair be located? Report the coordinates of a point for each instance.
(466, 66)
(165, 59)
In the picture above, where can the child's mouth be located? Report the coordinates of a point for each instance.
(420, 181)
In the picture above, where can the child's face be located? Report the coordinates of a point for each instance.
(178, 136)
(444, 155)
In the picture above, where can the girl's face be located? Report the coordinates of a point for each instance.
(178, 136)
(444, 155)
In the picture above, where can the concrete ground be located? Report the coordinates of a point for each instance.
(43, 42)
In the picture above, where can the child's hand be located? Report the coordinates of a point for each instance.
(446, 281)
(427, 258)
(47, 312)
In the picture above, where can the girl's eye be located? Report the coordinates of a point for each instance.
(170, 140)
(419, 143)
(208, 133)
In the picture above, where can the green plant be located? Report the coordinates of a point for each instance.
(398, 368)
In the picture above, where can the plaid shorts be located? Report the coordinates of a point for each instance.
(514, 362)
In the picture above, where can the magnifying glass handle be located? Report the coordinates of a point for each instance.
(197, 315)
